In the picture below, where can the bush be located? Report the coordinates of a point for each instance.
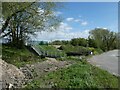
(98, 51)
(75, 50)
(79, 50)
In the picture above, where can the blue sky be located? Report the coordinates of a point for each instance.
(81, 17)
(96, 14)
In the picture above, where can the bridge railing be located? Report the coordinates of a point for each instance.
(47, 53)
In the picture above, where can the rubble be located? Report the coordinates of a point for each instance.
(10, 75)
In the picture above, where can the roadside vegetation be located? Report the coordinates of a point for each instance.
(80, 75)
(99, 38)
(79, 50)
(19, 57)
(49, 50)
(22, 20)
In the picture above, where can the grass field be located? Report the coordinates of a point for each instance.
(81, 75)
(19, 57)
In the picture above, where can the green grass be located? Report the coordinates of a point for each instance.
(50, 50)
(75, 50)
(80, 75)
(18, 57)
(80, 49)
(72, 58)
(48, 47)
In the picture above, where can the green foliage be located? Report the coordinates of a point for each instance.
(43, 43)
(74, 42)
(18, 57)
(92, 43)
(9, 8)
(81, 75)
(49, 50)
(71, 58)
(75, 50)
(104, 38)
(98, 51)
(24, 19)
(95, 50)
(57, 42)
(79, 42)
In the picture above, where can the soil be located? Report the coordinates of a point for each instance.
(51, 64)
(11, 75)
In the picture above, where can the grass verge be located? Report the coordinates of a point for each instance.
(19, 57)
(81, 75)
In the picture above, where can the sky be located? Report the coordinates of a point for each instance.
(81, 17)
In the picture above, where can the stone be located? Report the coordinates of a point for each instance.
(10, 75)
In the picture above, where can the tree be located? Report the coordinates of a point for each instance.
(65, 42)
(92, 43)
(118, 40)
(74, 42)
(79, 42)
(24, 19)
(56, 42)
(104, 38)
(10, 9)
(82, 42)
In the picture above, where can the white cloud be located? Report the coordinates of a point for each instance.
(57, 13)
(73, 19)
(41, 11)
(77, 20)
(64, 26)
(84, 23)
(70, 19)
(63, 33)
(83, 34)
(102, 27)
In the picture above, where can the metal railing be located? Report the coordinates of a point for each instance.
(47, 53)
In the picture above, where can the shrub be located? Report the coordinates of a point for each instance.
(98, 51)
(75, 50)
